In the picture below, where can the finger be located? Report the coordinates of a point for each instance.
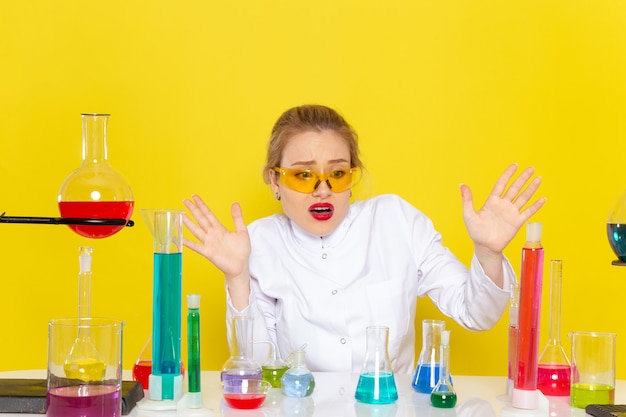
(237, 214)
(527, 193)
(195, 230)
(518, 184)
(203, 214)
(466, 200)
(500, 185)
(533, 208)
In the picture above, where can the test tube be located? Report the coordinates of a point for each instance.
(193, 353)
(525, 394)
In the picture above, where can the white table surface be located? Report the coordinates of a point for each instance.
(478, 396)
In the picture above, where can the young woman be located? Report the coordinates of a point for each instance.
(326, 268)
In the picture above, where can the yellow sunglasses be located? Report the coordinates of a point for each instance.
(307, 181)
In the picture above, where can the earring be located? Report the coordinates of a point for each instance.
(277, 197)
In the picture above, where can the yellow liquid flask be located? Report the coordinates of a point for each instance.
(377, 384)
(95, 190)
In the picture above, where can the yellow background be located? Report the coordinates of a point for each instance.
(440, 92)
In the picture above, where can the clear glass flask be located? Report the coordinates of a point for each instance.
(166, 379)
(241, 364)
(429, 362)
(298, 381)
(553, 372)
(443, 395)
(377, 384)
(95, 190)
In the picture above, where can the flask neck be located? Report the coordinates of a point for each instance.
(95, 138)
(242, 341)
(555, 301)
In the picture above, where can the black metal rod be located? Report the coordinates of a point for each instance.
(66, 220)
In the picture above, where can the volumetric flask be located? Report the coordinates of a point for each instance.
(95, 190)
(429, 363)
(377, 384)
(241, 365)
(553, 370)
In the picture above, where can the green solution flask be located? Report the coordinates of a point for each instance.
(274, 367)
(376, 384)
(443, 395)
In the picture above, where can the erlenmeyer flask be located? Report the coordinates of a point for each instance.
(553, 371)
(95, 190)
(241, 365)
(377, 384)
(429, 362)
(444, 395)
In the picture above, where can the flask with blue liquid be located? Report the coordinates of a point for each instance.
(297, 381)
(428, 366)
(376, 384)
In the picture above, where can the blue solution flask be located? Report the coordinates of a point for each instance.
(376, 384)
(429, 364)
(298, 381)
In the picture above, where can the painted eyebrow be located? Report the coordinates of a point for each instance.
(308, 163)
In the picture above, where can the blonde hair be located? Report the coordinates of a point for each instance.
(307, 118)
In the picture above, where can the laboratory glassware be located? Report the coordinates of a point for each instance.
(429, 362)
(525, 387)
(593, 368)
(75, 397)
(553, 372)
(241, 364)
(84, 361)
(166, 380)
(513, 336)
(616, 229)
(444, 395)
(95, 190)
(194, 394)
(143, 365)
(377, 384)
(297, 381)
(274, 367)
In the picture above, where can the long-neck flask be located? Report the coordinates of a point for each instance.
(443, 395)
(429, 363)
(377, 384)
(298, 381)
(95, 190)
(241, 365)
(553, 373)
(274, 367)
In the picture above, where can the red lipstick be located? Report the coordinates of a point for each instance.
(321, 211)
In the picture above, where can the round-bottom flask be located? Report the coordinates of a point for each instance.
(240, 365)
(298, 381)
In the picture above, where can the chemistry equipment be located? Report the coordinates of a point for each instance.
(298, 381)
(95, 189)
(443, 395)
(241, 365)
(525, 387)
(143, 365)
(166, 380)
(553, 372)
(377, 384)
(194, 394)
(513, 336)
(429, 362)
(616, 229)
(274, 367)
(84, 362)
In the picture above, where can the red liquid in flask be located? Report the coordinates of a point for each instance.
(554, 379)
(245, 401)
(142, 370)
(96, 210)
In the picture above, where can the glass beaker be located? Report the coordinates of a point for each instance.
(553, 371)
(166, 381)
(241, 365)
(593, 368)
(429, 363)
(444, 395)
(377, 384)
(95, 190)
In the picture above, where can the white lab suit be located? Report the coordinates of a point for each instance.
(325, 291)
